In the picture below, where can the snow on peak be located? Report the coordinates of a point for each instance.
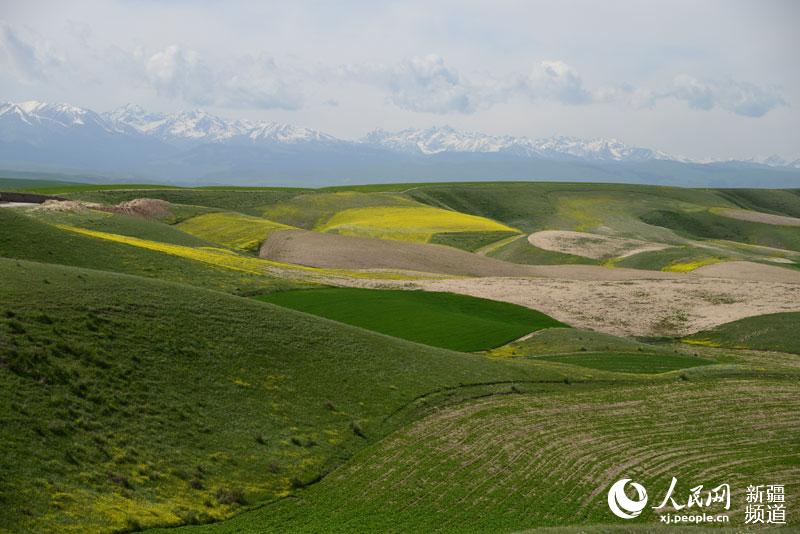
(436, 140)
(200, 126)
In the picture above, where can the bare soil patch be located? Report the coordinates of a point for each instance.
(333, 251)
(590, 245)
(641, 307)
(759, 217)
(748, 270)
(147, 208)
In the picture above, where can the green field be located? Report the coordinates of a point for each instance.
(444, 320)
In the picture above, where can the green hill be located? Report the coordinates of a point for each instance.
(27, 238)
(135, 402)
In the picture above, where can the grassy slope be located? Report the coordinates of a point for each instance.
(775, 332)
(633, 362)
(233, 230)
(313, 209)
(444, 320)
(780, 202)
(535, 206)
(123, 225)
(508, 463)
(469, 241)
(705, 225)
(33, 185)
(29, 239)
(566, 340)
(107, 380)
(521, 251)
(244, 201)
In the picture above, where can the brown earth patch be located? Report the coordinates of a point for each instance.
(333, 251)
(748, 270)
(148, 208)
(759, 217)
(588, 245)
(640, 307)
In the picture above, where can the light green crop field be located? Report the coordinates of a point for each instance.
(444, 320)
(156, 374)
(514, 462)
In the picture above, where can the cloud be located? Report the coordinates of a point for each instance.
(30, 61)
(178, 73)
(246, 81)
(741, 98)
(422, 84)
(555, 80)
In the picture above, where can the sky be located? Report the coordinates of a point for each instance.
(700, 79)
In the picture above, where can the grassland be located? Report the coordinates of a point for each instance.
(107, 378)
(233, 230)
(774, 332)
(139, 389)
(507, 463)
(444, 320)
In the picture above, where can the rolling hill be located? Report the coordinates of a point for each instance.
(158, 373)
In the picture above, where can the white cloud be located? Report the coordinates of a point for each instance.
(247, 81)
(30, 61)
(422, 84)
(741, 98)
(555, 80)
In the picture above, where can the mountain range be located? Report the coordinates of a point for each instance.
(198, 147)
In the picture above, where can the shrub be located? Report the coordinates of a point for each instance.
(230, 496)
(357, 430)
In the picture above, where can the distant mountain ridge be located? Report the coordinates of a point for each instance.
(198, 146)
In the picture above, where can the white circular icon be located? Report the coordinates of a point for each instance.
(621, 505)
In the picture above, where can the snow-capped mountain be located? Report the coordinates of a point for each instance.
(439, 140)
(775, 161)
(199, 147)
(34, 117)
(198, 126)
